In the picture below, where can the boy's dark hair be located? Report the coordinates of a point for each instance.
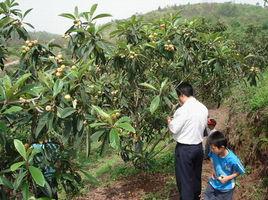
(217, 138)
(185, 88)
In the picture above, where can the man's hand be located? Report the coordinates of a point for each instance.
(169, 119)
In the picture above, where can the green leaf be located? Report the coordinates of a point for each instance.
(57, 87)
(76, 13)
(6, 182)
(41, 123)
(13, 109)
(25, 191)
(127, 127)
(101, 45)
(33, 89)
(93, 9)
(114, 138)
(2, 93)
(123, 119)
(3, 127)
(163, 84)
(19, 179)
(148, 86)
(98, 124)
(27, 12)
(101, 16)
(102, 113)
(65, 112)
(67, 15)
(32, 153)
(95, 136)
(20, 148)
(21, 81)
(37, 176)
(154, 104)
(15, 166)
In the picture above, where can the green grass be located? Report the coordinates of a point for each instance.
(259, 95)
(249, 98)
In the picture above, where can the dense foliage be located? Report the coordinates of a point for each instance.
(120, 93)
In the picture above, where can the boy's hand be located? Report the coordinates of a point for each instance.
(223, 179)
(213, 176)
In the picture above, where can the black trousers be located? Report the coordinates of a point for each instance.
(188, 169)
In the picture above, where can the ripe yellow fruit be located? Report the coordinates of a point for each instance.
(27, 41)
(60, 61)
(59, 69)
(27, 49)
(59, 56)
(67, 97)
(35, 41)
(48, 108)
(73, 67)
(117, 114)
(62, 67)
(58, 74)
(23, 51)
(30, 44)
(22, 100)
(162, 26)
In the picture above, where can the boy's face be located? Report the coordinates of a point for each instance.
(211, 127)
(217, 150)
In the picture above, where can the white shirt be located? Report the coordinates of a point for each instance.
(189, 122)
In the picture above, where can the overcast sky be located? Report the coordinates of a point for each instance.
(44, 16)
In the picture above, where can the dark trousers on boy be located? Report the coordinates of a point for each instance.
(213, 194)
(188, 161)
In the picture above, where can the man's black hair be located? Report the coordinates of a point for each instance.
(185, 88)
(217, 138)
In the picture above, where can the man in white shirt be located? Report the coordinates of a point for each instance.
(187, 126)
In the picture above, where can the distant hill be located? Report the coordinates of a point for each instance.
(227, 12)
(236, 16)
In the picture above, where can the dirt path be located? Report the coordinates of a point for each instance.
(135, 187)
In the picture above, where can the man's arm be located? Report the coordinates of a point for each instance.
(175, 124)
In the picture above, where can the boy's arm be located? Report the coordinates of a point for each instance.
(213, 174)
(225, 179)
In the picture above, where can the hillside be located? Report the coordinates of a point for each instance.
(227, 12)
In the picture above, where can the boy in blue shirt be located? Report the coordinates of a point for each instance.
(227, 167)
